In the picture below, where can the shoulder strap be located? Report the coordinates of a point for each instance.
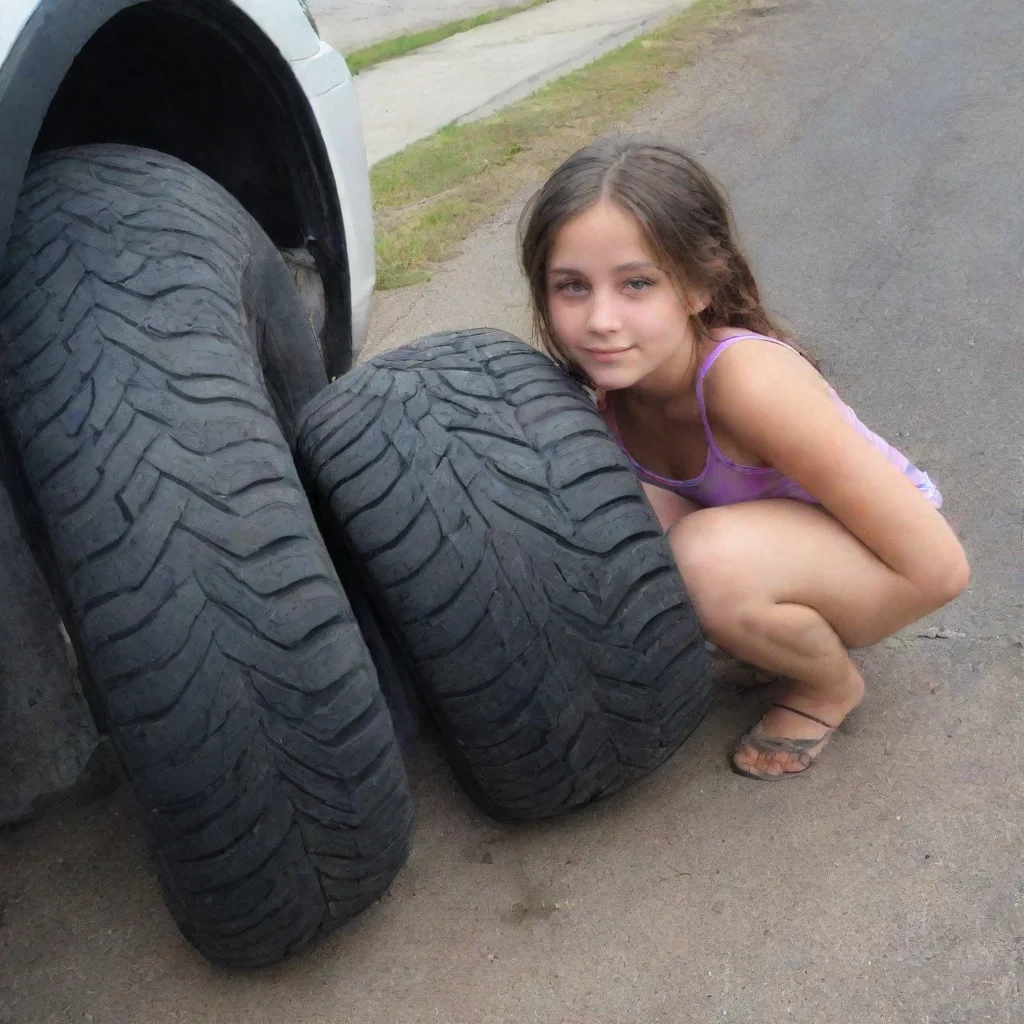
(707, 364)
(728, 343)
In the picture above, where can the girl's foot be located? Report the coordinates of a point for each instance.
(792, 733)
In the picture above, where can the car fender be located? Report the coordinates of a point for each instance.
(39, 40)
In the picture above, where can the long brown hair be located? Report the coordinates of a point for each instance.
(682, 213)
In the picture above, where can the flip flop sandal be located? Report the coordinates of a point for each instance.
(800, 749)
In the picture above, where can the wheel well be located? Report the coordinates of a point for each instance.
(198, 80)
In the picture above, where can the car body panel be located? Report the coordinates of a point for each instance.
(39, 39)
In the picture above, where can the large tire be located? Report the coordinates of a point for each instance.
(151, 341)
(506, 542)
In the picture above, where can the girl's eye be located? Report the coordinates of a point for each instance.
(571, 287)
(639, 284)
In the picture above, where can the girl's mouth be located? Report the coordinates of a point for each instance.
(606, 355)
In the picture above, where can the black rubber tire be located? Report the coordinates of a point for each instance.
(506, 542)
(150, 341)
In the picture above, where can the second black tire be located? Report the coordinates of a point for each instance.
(508, 546)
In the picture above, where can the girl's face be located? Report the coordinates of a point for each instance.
(615, 314)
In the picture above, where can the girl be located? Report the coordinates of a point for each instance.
(799, 532)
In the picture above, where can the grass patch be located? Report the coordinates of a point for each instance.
(365, 58)
(429, 197)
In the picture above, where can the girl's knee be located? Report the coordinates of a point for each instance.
(705, 544)
(709, 557)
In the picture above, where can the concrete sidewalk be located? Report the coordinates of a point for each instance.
(350, 25)
(475, 73)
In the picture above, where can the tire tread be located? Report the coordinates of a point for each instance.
(211, 619)
(504, 538)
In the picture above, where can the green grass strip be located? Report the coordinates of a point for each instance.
(365, 58)
(431, 195)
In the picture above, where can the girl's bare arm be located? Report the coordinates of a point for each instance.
(771, 405)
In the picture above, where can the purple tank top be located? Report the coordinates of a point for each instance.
(724, 482)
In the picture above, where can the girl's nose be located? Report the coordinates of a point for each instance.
(604, 315)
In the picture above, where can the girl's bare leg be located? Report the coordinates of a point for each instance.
(668, 506)
(784, 586)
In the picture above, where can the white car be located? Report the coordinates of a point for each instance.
(186, 260)
(245, 91)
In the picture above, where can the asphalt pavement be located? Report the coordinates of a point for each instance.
(875, 153)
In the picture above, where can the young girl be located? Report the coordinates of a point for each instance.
(799, 533)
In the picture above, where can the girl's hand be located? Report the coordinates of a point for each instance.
(772, 402)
